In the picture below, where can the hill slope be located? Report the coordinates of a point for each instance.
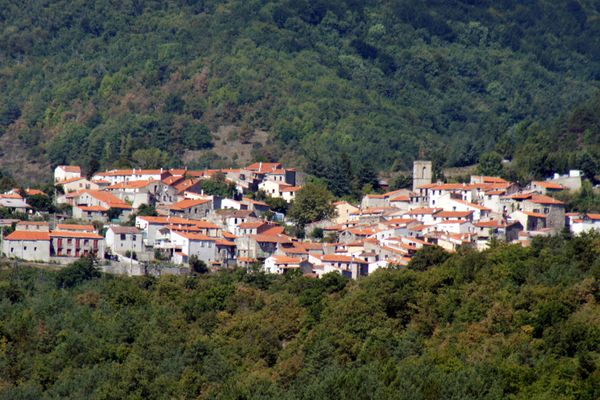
(508, 323)
(381, 81)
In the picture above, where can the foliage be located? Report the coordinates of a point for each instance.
(509, 322)
(378, 83)
(40, 202)
(277, 204)
(312, 203)
(6, 182)
(427, 257)
(571, 141)
(114, 213)
(144, 210)
(218, 186)
(586, 199)
(79, 271)
(198, 266)
(150, 158)
(490, 164)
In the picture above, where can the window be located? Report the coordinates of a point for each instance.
(123, 236)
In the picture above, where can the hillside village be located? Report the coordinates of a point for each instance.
(106, 216)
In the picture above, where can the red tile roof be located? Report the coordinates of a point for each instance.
(533, 214)
(264, 167)
(342, 259)
(549, 185)
(188, 203)
(223, 242)
(33, 223)
(70, 168)
(195, 236)
(28, 235)
(454, 214)
(93, 208)
(423, 211)
(286, 260)
(109, 199)
(73, 234)
(131, 184)
(541, 199)
(74, 227)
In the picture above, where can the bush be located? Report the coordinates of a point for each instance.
(81, 270)
(198, 266)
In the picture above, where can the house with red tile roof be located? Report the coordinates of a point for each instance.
(75, 244)
(27, 245)
(78, 183)
(94, 205)
(125, 175)
(546, 187)
(64, 172)
(213, 251)
(189, 208)
(350, 266)
(282, 264)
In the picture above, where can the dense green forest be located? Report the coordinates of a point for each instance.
(334, 82)
(506, 323)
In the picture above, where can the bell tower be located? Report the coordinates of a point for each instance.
(422, 173)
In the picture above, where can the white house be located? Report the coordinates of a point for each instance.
(121, 239)
(279, 264)
(27, 245)
(65, 172)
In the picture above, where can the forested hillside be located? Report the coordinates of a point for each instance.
(507, 323)
(384, 81)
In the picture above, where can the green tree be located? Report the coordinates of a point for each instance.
(428, 257)
(313, 203)
(77, 272)
(218, 186)
(150, 158)
(277, 204)
(490, 164)
(198, 266)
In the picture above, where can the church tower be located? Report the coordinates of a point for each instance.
(422, 173)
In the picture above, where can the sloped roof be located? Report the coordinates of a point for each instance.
(28, 235)
(187, 203)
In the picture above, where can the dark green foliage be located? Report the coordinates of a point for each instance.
(312, 203)
(6, 182)
(277, 204)
(490, 164)
(510, 322)
(218, 186)
(379, 82)
(571, 141)
(40, 202)
(198, 266)
(114, 213)
(81, 270)
(144, 210)
(427, 257)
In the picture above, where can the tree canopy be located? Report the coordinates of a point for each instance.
(313, 202)
(509, 322)
(376, 82)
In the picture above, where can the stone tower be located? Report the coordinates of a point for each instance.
(422, 173)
